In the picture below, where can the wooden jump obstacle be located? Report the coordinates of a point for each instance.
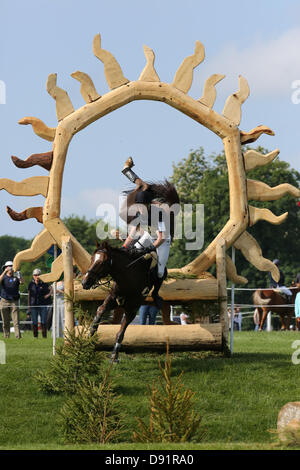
(145, 338)
(224, 125)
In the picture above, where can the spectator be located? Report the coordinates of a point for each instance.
(297, 311)
(236, 320)
(149, 311)
(10, 283)
(183, 318)
(38, 300)
(27, 326)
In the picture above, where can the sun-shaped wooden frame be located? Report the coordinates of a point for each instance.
(149, 87)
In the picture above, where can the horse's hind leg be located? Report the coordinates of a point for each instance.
(263, 318)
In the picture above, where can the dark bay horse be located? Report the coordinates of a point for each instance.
(266, 298)
(132, 283)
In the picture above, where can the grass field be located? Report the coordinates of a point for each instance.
(238, 397)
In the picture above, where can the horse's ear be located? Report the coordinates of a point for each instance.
(97, 244)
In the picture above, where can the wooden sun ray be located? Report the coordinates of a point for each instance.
(28, 187)
(87, 89)
(253, 253)
(184, 75)
(41, 159)
(209, 92)
(40, 245)
(39, 128)
(64, 106)
(233, 106)
(232, 274)
(112, 70)
(256, 214)
(30, 213)
(254, 159)
(259, 191)
(149, 73)
(57, 269)
(254, 134)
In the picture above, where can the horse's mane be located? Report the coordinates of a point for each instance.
(105, 245)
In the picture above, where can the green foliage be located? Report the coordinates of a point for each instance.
(93, 414)
(172, 418)
(74, 361)
(202, 179)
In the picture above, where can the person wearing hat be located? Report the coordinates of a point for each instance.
(38, 301)
(9, 304)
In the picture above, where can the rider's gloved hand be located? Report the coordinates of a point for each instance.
(149, 249)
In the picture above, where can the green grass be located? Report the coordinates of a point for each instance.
(238, 397)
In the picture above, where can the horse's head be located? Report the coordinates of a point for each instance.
(99, 267)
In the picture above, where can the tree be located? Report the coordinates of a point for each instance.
(201, 179)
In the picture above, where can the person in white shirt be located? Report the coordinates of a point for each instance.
(183, 318)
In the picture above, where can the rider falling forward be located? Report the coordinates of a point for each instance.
(150, 206)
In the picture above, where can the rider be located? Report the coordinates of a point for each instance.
(152, 209)
(280, 284)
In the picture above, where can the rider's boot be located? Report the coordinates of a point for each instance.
(158, 301)
(133, 177)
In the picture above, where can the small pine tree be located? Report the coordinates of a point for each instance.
(172, 418)
(74, 361)
(93, 414)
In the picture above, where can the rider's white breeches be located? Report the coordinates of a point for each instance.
(162, 251)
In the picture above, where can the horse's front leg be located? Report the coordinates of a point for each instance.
(108, 304)
(120, 335)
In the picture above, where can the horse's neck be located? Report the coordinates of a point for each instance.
(118, 265)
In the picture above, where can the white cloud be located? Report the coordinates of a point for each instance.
(270, 66)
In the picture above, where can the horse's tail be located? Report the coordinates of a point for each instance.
(258, 300)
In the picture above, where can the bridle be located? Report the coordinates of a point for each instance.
(94, 273)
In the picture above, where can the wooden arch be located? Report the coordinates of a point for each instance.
(149, 87)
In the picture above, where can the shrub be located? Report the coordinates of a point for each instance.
(93, 414)
(172, 418)
(74, 361)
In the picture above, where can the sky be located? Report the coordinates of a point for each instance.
(39, 37)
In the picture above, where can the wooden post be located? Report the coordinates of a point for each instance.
(68, 284)
(222, 288)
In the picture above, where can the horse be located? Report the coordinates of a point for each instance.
(133, 280)
(266, 298)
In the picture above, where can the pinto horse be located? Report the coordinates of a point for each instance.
(266, 298)
(131, 273)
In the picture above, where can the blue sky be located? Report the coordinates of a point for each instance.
(259, 40)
